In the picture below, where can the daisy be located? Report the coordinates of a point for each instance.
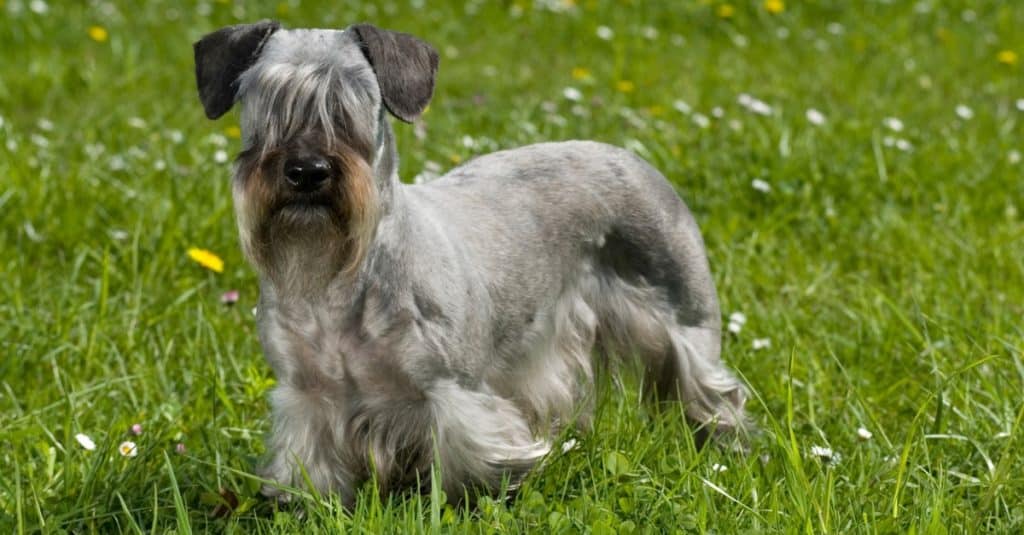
(893, 124)
(761, 343)
(128, 449)
(964, 112)
(864, 434)
(760, 185)
(815, 117)
(85, 441)
(605, 33)
(573, 94)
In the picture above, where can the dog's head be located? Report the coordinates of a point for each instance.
(313, 128)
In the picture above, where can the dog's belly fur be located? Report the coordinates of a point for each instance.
(558, 245)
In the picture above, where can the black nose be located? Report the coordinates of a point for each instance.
(306, 174)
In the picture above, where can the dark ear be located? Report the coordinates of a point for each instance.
(222, 56)
(405, 68)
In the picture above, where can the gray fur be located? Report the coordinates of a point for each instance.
(468, 323)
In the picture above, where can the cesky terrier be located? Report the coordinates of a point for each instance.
(457, 321)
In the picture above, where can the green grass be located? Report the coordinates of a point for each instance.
(890, 282)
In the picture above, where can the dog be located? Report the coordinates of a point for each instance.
(451, 327)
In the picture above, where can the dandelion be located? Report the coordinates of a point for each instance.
(719, 468)
(580, 73)
(864, 434)
(725, 11)
(85, 442)
(128, 449)
(229, 297)
(605, 33)
(964, 112)
(760, 185)
(136, 429)
(1007, 57)
(233, 132)
(206, 259)
(774, 6)
(761, 343)
(573, 94)
(98, 34)
(893, 124)
(625, 86)
(815, 117)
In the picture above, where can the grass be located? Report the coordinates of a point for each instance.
(890, 282)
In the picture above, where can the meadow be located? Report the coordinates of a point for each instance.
(855, 168)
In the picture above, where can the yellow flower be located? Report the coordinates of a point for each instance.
(580, 73)
(774, 6)
(656, 111)
(206, 259)
(98, 34)
(725, 11)
(1007, 57)
(455, 158)
(625, 86)
(233, 132)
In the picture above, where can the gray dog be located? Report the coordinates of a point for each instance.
(454, 322)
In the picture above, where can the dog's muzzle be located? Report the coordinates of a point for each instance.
(307, 174)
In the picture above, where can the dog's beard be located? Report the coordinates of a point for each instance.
(305, 241)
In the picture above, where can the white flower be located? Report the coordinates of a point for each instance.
(964, 112)
(218, 140)
(137, 122)
(815, 117)
(761, 343)
(717, 112)
(782, 33)
(893, 124)
(568, 445)
(649, 32)
(719, 468)
(701, 120)
(128, 449)
(734, 327)
(40, 141)
(835, 28)
(1013, 157)
(45, 124)
(864, 434)
(685, 109)
(85, 441)
(159, 165)
(38, 7)
(468, 142)
(605, 33)
(175, 136)
(573, 94)
(754, 105)
(822, 452)
(117, 163)
(738, 317)
(1020, 104)
(760, 185)
(220, 156)
(904, 145)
